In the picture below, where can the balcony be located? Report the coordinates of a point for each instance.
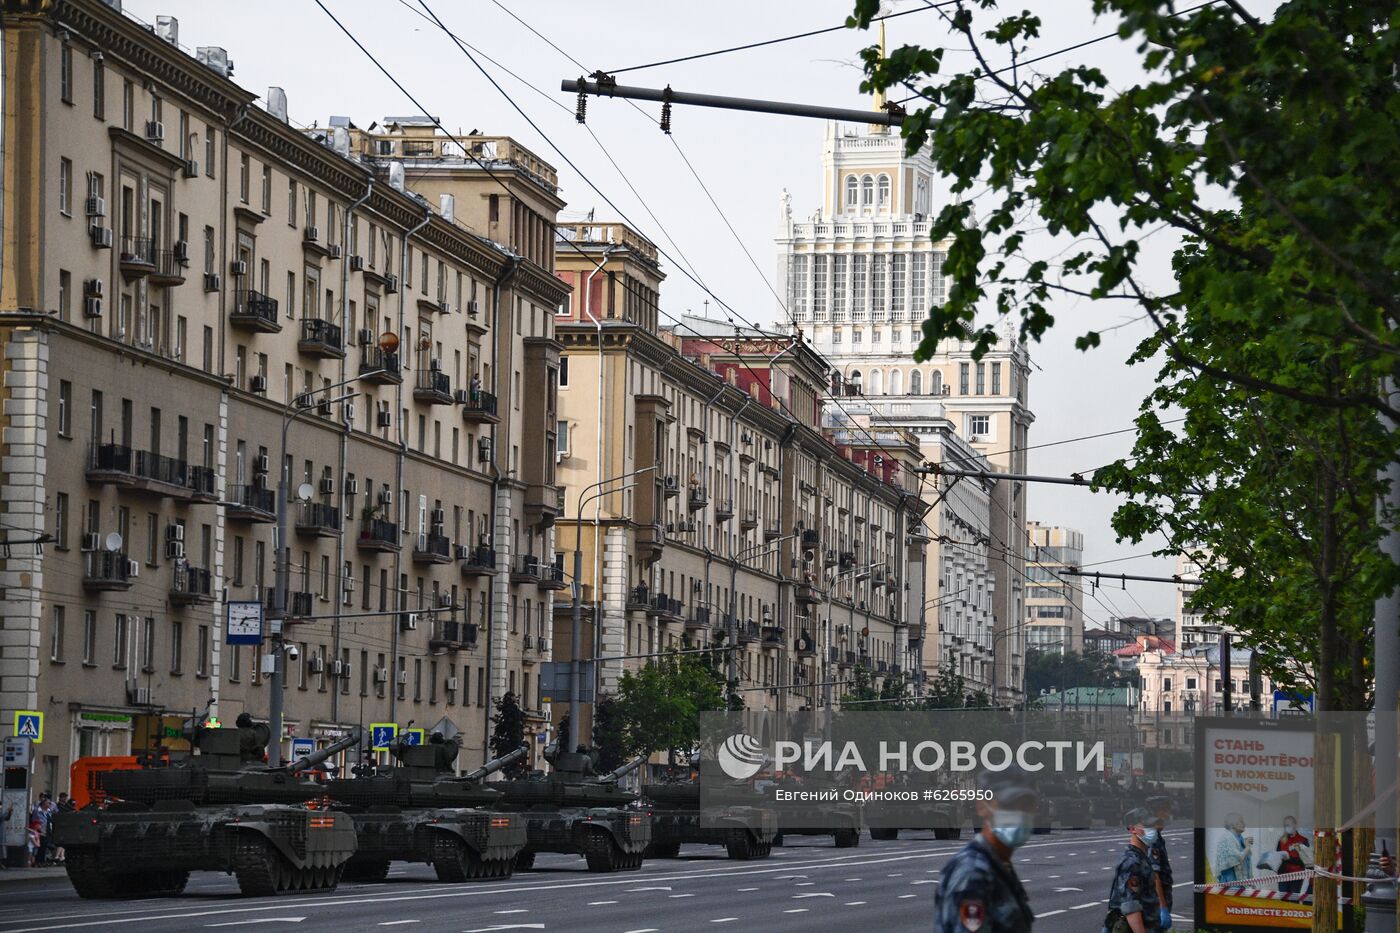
(299, 603)
(667, 609)
(651, 539)
(847, 559)
(552, 577)
(724, 510)
(829, 557)
(877, 577)
(478, 407)
(251, 503)
(670, 487)
(544, 503)
(697, 499)
(747, 632)
(639, 598)
(191, 586)
(882, 667)
(143, 471)
(432, 549)
(479, 561)
(749, 520)
(807, 594)
(805, 646)
(772, 530)
(452, 635)
(526, 569)
(321, 339)
(106, 570)
(811, 538)
(255, 312)
(378, 535)
(379, 367)
(698, 620)
(318, 520)
(433, 386)
(169, 267)
(772, 636)
(137, 257)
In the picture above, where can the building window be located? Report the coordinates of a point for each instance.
(128, 105)
(209, 149)
(561, 429)
(1190, 683)
(838, 288)
(852, 192)
(867, 191)
(797, 284)
(884, 196)
(65, 187)
(65, 408)
(981, 379)
(148, 644)
(90, 638)
(898, 263)
(202, 659)
(996, 378)
(292, 201)
(119, 643)
(979, 425)
(858, 288)
(56, 634)
(964, 372)
(60, 521)
(244, 169)
(65, 73)
(99, 90)
(177, 646)
(819, 288)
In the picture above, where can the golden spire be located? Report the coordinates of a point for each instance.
(877, 128)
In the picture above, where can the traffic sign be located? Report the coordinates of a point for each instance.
(302, 747)
(244, 622)
(29, 724)
(382, 735)
(413, 736)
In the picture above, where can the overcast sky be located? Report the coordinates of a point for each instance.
(745, 160)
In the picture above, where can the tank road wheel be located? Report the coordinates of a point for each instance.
(778, 841)
(87, 879)
(169, 883)
(525, 861)
(663, 850)
(885, 835)
(739, 845)
(257, 866)
(368, 869)
(765, 849)
(454, 860)
(847, 838)
(601, 852)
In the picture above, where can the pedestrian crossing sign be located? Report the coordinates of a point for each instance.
(413, 736)
(382, 735)
(29, 724)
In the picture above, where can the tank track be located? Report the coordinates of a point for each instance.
(847, 838)
(455, 861)
(91, 881)
(742, 847)
(604, 855)
(882, 834)
(263, 871)
(663, 850)
(371, 871)
(525, 861)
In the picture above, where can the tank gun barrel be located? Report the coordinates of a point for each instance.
(317, 757)
(496, 764)
(618, 773)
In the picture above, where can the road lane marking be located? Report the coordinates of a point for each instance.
(239, 923)
(682, 895)
(925, 881)
(518, 910)
(813, 894)
(748, 889)
(854, 903)
(1049, 913)
(1090, 904)
(796, 910)
(599, 903)
(724, 919)
(394, 923)
(656, 888)
(905, 896)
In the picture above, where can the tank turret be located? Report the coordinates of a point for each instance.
(423, 778)
(574, 782)
(225, 770)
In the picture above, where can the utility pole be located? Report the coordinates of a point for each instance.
(605, 86)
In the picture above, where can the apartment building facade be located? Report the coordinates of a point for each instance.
(696, 454)
(184, 277)
(1054, 599)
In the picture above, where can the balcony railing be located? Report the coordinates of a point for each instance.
(479, 406)
(251, 503)
(772, 636)
(148, 472)
(811, 538)
(137, 255)
(321, 338)
(639, 597)
(526, 570)
(106, 570)
(663, 605)
(749, 520)
(376, 534)
(699, 618)
(380, 367)
(169, 270)
(254, 311)
(451, 634)
(479, 560)
(747, 632)
(698, 498)
(433, 386)
(552, 577)
(432, 549)
(724, 510)
(318, 519)
(191, 585)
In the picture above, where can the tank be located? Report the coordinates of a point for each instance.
(222, 809)
(1070, 807)
(745, 832)
(420, 811)
(575, 811)
(839, 820)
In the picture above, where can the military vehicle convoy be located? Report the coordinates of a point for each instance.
(575, 811)
(745, 832)
(421, 811)
(219, 810)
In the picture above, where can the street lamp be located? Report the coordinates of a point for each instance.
(731, 630)
(282, 564)
(570, 741)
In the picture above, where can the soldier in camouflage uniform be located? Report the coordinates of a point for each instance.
(1133, 905)
(979, 889)
(1161, 864)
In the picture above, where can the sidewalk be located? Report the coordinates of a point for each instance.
(30, 874)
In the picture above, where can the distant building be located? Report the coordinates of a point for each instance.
(1054, 599)
(1193, 628)
(1105, 641)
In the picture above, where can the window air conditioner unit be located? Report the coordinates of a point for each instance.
(461, 552)
(483, 449)
(133, 569)
(357, 263)
(213, 281)
(323, 407)
(92, 307)
(182, 252)
(439, 516)
(445, 600)
(386, 497)
(472, 308)
(101, 237)
(334, 250)
(174, 532)
(671, 483)
(93, 288)
(349, 412)
(96, 207)
(435, 365)
(327, 485)
(381, 675)
(385, 418)
(257, 384)
(391, 284)
(529, 642)
(310, 235)
(316, 665)
(191, 168)
(337, 668)
(408, 621)
(90, 541)
(402, 678)
(239, 267)
(452, 683)
(262, 464)
(443, 307)
(366, 336)
(155, 131)
(352, 487)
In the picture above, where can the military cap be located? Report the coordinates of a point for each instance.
(1139, 816)
(1008, 786)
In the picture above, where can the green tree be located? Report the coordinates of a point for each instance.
(948, 690)
(1050, 670)
(508, 730)
(658, 706)
(609, 734)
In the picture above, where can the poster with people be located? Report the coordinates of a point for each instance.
(1255, 787)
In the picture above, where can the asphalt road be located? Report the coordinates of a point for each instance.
(803, 886)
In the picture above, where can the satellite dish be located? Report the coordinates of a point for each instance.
(304, 492)
(388, 341)
(113, 542)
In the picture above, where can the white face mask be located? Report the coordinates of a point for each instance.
(1013, 827)
(1289, 829)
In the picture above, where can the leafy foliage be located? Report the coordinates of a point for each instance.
(1049, 670)
(658, 706)
(508, 730)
